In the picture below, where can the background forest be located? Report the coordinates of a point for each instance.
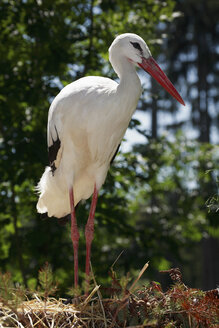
(160, 199)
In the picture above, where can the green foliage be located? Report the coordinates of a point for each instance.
(74, 292)
(167, 191)
(45, 45)
(10, 295)
(213, 202)
(6, 286)
(46, 281)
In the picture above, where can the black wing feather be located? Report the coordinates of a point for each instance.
(53, 151)
(117, 149)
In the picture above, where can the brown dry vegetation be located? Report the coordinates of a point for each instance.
(123, 305)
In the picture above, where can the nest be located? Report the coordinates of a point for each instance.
(82, 311)
(53, 312)
(128, 307)
(39, 313)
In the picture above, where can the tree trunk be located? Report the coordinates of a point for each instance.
(210, 246)
(210, 278)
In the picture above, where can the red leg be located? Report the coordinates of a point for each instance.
(89, 233)
(74, 236)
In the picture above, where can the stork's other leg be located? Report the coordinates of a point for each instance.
(74, 236)
(89, 233)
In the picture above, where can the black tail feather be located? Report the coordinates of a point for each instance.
(62, 221)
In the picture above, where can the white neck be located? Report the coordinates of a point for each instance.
(129, 88)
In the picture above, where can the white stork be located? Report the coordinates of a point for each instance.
(87, 121)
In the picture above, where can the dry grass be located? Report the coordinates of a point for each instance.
(54, 313)
(86, 312)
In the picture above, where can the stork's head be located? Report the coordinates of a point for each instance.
(133, 48)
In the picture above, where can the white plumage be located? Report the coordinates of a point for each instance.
(90, 120)
(90, 116)
(87, 121)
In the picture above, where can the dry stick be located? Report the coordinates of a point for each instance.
(92, 313)
(130, 289)
(100, 297)
(116, 259)
(113, 276)
(90, 296)
(30, 319)
(14, 310)
(144, 326)
(139, 276)
(39, 320)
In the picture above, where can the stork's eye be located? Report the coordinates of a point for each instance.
(136, 45)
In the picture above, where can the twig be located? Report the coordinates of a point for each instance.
(125, 298)
(90, 296)
(139, 276)
(100, 297)
(116, 260)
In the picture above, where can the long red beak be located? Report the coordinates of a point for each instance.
(151, 67)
